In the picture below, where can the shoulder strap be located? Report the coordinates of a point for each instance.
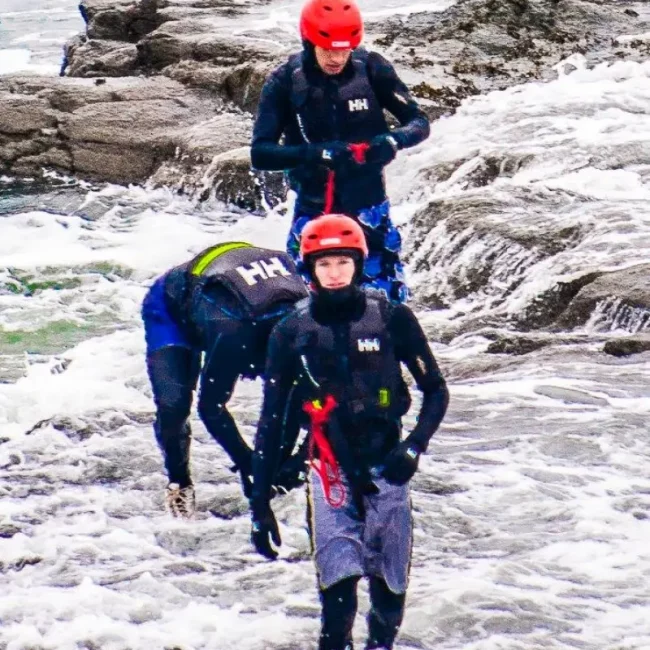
(299, 83)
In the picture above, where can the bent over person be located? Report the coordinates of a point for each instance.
(327, 104)
(222, 303)
(347, 345)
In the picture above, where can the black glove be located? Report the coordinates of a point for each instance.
(383, 149)
(292, 474)
(265, 525)
(401, 463)
(334, 155)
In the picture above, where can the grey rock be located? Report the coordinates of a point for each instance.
(626, 346)
(623, 298)
(9, 530)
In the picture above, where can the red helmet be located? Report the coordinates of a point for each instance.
(332, 232)
(331, 24)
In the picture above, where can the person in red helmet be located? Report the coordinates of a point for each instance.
(344, 347)
(315, 109)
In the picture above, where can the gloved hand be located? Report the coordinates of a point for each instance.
(264, 525)
(383, 149)
(292, 474)
(334, 155)
(401, 463)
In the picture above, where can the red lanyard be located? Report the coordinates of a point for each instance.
(326, 466)
(358, 150)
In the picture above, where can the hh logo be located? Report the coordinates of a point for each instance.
(368, 345)
(262, 270)
(357, 105)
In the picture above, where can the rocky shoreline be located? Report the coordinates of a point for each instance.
(163, 92)
(156, 89)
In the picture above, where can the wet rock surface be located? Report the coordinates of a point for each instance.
(219, 66)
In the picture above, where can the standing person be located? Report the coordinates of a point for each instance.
(348, 345)
(222, 303)
(328, 103)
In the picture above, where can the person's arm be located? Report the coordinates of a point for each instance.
(218, 378)
(394, 96)
(279, 377)
(413, 350)
(273, 114)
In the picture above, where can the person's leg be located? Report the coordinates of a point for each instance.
(339, 608)
(336, 535)
(173, 371)
(293, 243)
(383, 269)
(388, 544)
(173, 368)
(385, 616)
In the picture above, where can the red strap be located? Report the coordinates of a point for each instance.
(329, 192)
(358, 150)
(327, 467)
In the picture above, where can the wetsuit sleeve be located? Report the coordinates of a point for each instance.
(218, 378)
(413, 350)
(280, 376)
(273, 115)
(395, 97)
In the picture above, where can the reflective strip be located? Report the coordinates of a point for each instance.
(384, 397)
(215, 252)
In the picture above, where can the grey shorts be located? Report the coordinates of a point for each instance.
(380, 545)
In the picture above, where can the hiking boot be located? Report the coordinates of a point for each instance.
(181, 502)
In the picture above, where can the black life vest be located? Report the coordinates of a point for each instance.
(262, 281)
(355, 361)
(355, 112)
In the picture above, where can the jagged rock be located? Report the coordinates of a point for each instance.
(476, 46)
(616, 300)
(207, 166)
(516, 345)
(545, 308)
(93, 58)
(240, 84)
(624, 347)
(461, 246)
(120, 20)
(120, 131)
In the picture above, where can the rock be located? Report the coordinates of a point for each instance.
(616, 300)
(120, 20)
(24, 115)
(545, 308)
(461, 246)
(482, 45)
(516, 345)
(240, 84)
(8, 530)
(91, 58)
(75, 125)
(227, 176)
(626, 346)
